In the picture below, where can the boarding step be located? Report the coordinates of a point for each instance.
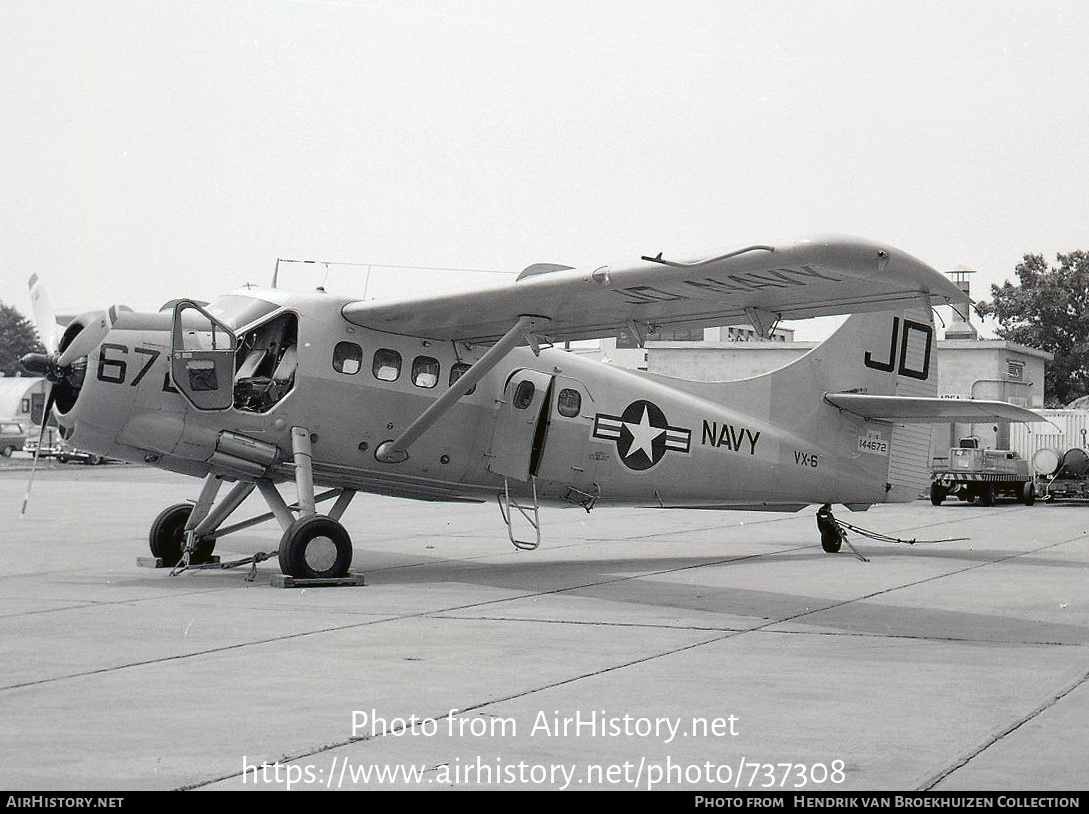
(507, 503)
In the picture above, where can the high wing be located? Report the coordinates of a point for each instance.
(925, 410)
(755, 285)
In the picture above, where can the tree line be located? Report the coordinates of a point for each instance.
(17, 337)
(1048, 309)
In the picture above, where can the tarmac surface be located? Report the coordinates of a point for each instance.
(696, 650)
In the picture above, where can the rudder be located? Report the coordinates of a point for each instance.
(886, 353)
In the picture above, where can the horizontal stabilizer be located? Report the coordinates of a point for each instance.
(923, 410)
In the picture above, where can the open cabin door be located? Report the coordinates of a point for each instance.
(202, 351)
(570, 459)
(521, 425)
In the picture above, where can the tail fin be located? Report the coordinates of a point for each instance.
(878, 353)
(887, 355)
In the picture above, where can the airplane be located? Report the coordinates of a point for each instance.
(459, 396)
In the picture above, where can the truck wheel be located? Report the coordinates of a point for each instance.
(937, 494)
(986, 496)
(1028, 493)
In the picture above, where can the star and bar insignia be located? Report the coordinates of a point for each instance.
(642, 434)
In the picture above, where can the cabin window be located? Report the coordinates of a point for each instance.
(569, 402)
(387, 365)
(523, 394)
(347, 358)
(457, 371)
(425, 371)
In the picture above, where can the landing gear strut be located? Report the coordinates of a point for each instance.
(313, 546)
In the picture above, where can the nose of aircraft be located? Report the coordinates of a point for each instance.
(65, 367)
(66, 364)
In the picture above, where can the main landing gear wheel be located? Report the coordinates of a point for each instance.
(987, 496)
(1028, 493)
(167, 537)
(937, 494)
(315, 547)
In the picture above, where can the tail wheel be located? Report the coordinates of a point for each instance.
(167, 537)
(1028, 493)
(315, 547)
(937, 494)
(831, 536)
(831, 541)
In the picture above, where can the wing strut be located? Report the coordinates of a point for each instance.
(395, 451)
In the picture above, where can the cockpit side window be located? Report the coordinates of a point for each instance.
(266, 363)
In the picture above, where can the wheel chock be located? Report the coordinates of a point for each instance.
(284, 581)
(157, 562)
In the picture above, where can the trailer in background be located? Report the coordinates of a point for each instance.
(1062, 476)
(1059, 453)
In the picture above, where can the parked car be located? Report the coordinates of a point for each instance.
(13, 435)
(52, 438)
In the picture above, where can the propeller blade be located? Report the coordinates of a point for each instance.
(89, 338)
(45, 320)
(49, 399)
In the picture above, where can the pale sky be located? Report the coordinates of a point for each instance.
(154, 149)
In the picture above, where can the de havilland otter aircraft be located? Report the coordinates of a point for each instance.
(451, 397)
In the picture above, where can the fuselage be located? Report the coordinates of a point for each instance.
(580, 431)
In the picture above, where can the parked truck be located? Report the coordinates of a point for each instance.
(982, 475)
